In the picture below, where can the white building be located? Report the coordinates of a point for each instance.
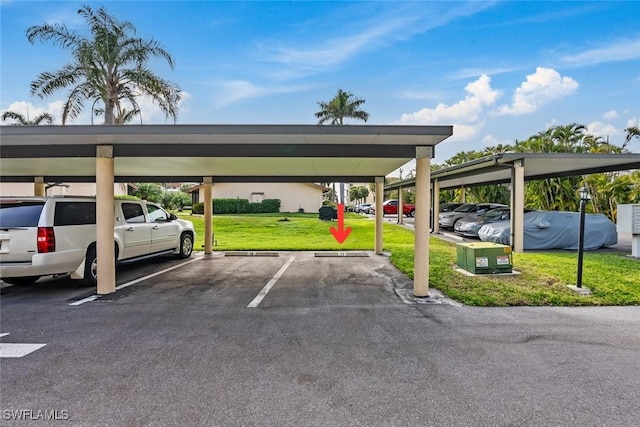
(293, 196)
(8, 189)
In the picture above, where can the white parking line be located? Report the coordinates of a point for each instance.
(17, 350)
(258, 299)
(133, 282)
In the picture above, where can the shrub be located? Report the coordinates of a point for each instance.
(239, 206)
(197, 208)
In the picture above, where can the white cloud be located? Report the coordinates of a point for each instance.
(151, 113)
(604, 130)
(239, 90)
(610, 115)
(29, 111)
(470, 109)
(466, 115)
(633, 122)
(541, 87)
(490, 140)
(621, 50)
(420, 95)
(467, 73)
(552, 123)
(391, 24)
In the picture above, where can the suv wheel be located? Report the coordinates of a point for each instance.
(186, 246)
(21, 281)
(91, 268)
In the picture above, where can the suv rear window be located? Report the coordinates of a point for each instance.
(74, 213)
(20, 213)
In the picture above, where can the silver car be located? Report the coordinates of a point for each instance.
(449, 219)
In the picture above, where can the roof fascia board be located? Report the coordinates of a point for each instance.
(196, 178)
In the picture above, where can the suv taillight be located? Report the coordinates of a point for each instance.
(46, 240)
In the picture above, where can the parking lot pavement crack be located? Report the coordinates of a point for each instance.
(435, 298)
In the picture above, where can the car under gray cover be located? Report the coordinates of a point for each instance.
(555, 230)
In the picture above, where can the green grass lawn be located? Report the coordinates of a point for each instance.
(614, 279)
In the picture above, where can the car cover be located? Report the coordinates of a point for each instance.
(555, 230)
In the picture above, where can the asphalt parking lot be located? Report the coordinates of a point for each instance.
(296, 339)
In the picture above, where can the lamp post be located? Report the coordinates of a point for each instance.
(584, 198)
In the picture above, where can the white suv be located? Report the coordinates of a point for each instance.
(41, 236)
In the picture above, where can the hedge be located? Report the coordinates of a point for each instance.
(235, 206)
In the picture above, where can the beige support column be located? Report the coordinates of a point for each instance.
(463, 195)
(400, 206)
(38, 186)
(379, 246)
(208, 215)
(436, 206)
(517, 206)
(105, 247)
(421, 250)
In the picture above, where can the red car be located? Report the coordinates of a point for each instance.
(390, 207)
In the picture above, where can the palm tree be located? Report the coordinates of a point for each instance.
(24, 121)
(109, 67)
(632, 132)
(343, 105)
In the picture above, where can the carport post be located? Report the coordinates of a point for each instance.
(38, 186)
(436, 206)
(208, 215)
(517, 206)
(400, 206)
(379, 246)
(105, 248)
(423, 194)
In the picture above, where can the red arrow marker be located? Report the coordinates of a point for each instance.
(341, 233)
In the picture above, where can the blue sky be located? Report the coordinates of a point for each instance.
(497, 71)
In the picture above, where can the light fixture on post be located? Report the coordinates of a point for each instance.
(584, 198)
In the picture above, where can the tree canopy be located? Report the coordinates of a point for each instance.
(607, 189)
(109, 66)
(343, 105)
(21, 120)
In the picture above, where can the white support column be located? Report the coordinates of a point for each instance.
(38, 186)
(379, 246)
(436, 206)
(208, 215)
(421, 248)
(105, 246)
(400, 206)
(517, 206)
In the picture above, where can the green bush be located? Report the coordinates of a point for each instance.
(270, 206)
(242, 206)
(197, 208)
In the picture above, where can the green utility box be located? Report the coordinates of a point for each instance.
(484, 257)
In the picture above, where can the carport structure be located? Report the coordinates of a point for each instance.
(514, 169)
(221, 153)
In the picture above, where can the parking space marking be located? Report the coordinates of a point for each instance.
(17, 350)
(82, 301)
(133, 282)
(258, 299)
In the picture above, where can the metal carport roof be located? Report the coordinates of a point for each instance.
(496, 169)
(226, 152)
(218, 153)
